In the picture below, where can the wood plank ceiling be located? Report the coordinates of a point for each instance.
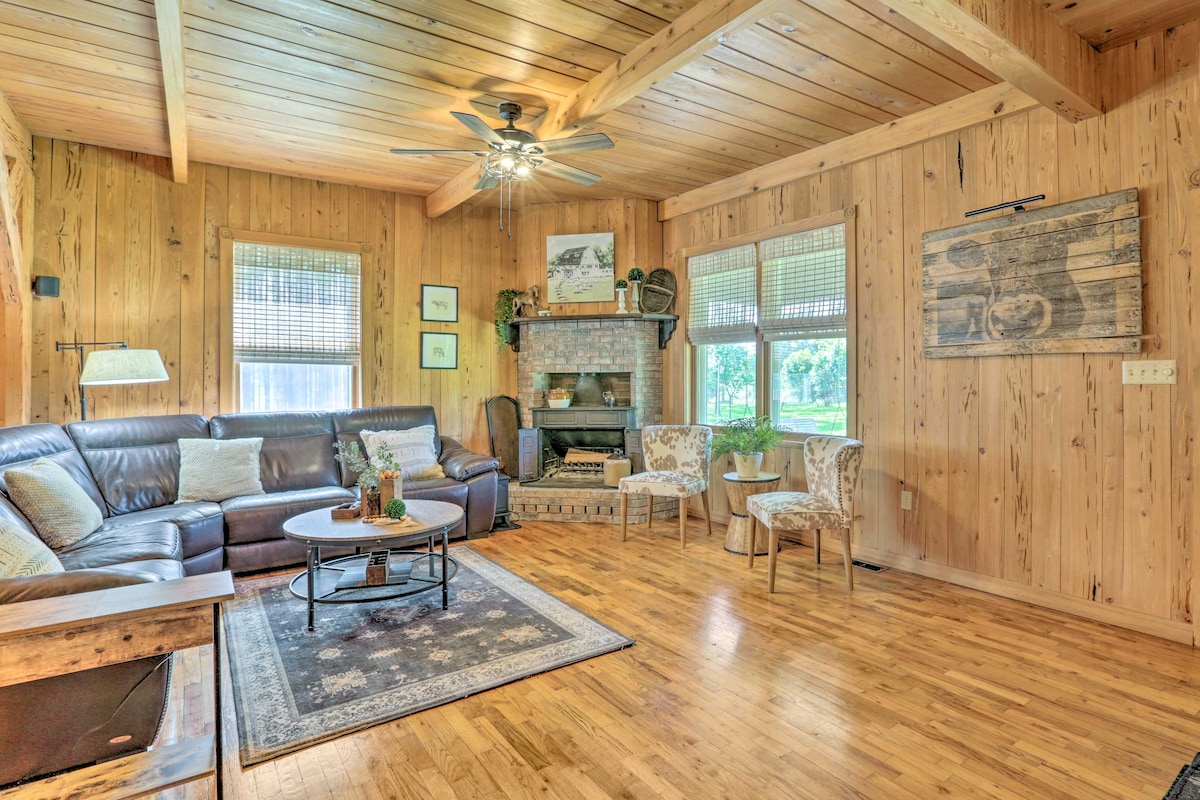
(324, 89)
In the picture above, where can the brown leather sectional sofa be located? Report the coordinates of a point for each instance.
(130, 468)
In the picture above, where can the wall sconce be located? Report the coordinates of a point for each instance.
(112, 367)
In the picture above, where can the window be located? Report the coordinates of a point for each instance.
(297, 327)
(779, 302)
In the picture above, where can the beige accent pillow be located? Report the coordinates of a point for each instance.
(22, 553)
(59, 508)
(217, 469)
(412, 449)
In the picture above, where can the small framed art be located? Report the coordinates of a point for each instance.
(439, 303)
(439, 351)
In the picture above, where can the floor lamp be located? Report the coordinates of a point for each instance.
(111, 367)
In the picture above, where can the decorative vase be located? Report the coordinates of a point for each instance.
(747, 464)
(371, 506)
(621, 302)
(390, 488)
(634, 298)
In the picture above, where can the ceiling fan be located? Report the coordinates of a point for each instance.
(514, 154)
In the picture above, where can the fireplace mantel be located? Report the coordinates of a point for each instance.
(666, 324)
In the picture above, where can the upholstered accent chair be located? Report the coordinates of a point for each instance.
(677, 459)
(831, 467)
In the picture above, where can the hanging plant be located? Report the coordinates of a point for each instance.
(504, 315)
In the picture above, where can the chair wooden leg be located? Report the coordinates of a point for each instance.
(817, 543)
(649, 512)
(848, 560)
(772, 557)
(750, 555)
(707, 516)
(682, 522)
(624, 514)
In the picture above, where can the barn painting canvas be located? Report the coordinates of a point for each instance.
(1062, 279)
(579, 268)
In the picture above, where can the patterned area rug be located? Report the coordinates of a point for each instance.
(372, 662)
(1187, 784)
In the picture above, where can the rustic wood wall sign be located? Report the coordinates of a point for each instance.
(1063, 279)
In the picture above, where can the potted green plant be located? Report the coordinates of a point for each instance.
(622, 286)
(504, 316)
(371, 473)
(748, 439)
(636, 276)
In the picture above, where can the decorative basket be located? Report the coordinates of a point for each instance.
(658, 292)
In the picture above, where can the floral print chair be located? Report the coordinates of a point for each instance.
(677, 459)
(831, 466)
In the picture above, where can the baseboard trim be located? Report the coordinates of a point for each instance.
(1120, 617)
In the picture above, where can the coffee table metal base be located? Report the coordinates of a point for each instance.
(343, 580)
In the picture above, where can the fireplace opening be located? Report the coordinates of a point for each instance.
(576, 457)
(587, 388)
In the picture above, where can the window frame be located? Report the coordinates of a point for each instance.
(762, 349)
(230, 373)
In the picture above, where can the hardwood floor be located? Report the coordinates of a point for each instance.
(909, 688)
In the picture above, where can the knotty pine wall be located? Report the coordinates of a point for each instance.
(16, 319)
(1038, 477)
(138, 260)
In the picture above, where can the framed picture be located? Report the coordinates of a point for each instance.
(579, 268)
(439, 303)
(439, 351)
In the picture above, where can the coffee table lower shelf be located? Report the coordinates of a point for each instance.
(344, 580)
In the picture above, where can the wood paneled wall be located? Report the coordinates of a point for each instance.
(138, 259)
(16, 319)
(1039, 477)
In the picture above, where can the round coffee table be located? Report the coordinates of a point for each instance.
(321, 581)
(737, 536)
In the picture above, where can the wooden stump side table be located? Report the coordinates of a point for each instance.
(738, 490)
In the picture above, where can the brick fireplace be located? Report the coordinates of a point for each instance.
(625, 353)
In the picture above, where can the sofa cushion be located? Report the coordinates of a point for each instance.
(215, 470)
(411, 450)
(201, 527)
(21, 445)
(22, 553)
(347, 425)
(135, 461)
(59, 509)
(257, 517)
(110, 546)
(297, 451)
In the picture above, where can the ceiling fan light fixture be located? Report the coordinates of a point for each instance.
(509, 165)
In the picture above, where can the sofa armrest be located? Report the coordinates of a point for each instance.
(57, 584)
(460, 463)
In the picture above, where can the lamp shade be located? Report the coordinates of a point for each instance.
(104, 367)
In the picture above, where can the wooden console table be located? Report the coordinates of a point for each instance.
(71, 633)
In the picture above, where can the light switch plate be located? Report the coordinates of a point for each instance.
(1148, 372)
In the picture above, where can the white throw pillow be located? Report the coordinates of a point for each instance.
(59, 508)
(217, 469)
(412, 449)
(22, 553)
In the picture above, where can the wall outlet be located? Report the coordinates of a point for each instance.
(1148, 372)
(905, 501)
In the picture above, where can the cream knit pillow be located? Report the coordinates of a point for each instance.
(217, 469)
(22, 553)
(59, 508)
(412, 449)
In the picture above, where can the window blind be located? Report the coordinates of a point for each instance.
(296, 305)
(722, 307)
(804, 284)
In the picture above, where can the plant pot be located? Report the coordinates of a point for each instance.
(747, 464)
(621, 302)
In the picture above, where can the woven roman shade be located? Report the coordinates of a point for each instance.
(296, 305)
(721, 286)
(804, 284)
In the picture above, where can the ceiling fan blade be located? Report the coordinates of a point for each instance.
(438, 153)
(575, 144)
(574, 174)
(486, 182)
(478, 127)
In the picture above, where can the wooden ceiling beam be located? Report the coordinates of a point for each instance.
(693, 34)
(997, 102)
(1020, 41)
(168, 15)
